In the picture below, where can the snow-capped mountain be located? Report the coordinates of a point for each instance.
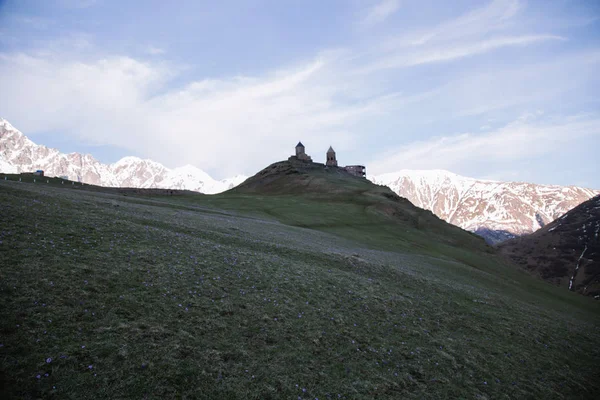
(19, 154)
(495, 210)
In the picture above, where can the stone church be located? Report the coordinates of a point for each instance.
(330, 162)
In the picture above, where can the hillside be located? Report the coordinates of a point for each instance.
(565, 252)
(494, 210)
(268, 292)
(338, 188)
(19, 154)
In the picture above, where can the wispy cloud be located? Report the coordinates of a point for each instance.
(527, 137)
(34, 22)
(122, 101)
(494, 16)
(78, 3)
(380, 12)
(155, 51)
(410, 58)
(473, 33)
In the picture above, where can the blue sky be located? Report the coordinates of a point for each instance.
(497, 89)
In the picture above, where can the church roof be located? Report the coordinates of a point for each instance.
(299, 144)
(331, 150)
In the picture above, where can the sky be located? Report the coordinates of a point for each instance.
(493, 89)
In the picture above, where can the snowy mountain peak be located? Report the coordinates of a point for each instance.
(128, 160)
(19, 154)
(490, 208)
(6, 124)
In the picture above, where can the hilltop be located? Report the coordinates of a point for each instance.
(565, 252)
(378, 206)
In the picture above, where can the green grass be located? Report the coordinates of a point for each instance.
(259, 297)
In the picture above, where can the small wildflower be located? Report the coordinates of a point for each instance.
(48, 360)
(90, 366)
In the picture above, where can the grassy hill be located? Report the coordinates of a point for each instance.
(327, 288)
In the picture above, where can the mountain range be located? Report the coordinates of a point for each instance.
(19, 154)
(495, 210)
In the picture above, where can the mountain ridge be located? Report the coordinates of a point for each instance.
(20, 154)
(494, 209)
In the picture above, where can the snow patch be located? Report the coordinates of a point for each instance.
(577, 268)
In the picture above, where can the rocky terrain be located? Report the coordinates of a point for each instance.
(495, 210)
(19, 154)
(565, 252)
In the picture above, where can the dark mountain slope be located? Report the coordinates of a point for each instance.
(565, 252)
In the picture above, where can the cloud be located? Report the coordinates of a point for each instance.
(155, 51)
(34, 21)
(380, 12)
(224, 125)
(447, 53)
(525, 138)
(238, 124)
(78, 3)
(475, 32)
(495, 16)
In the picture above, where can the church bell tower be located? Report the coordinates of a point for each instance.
(331, 160)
